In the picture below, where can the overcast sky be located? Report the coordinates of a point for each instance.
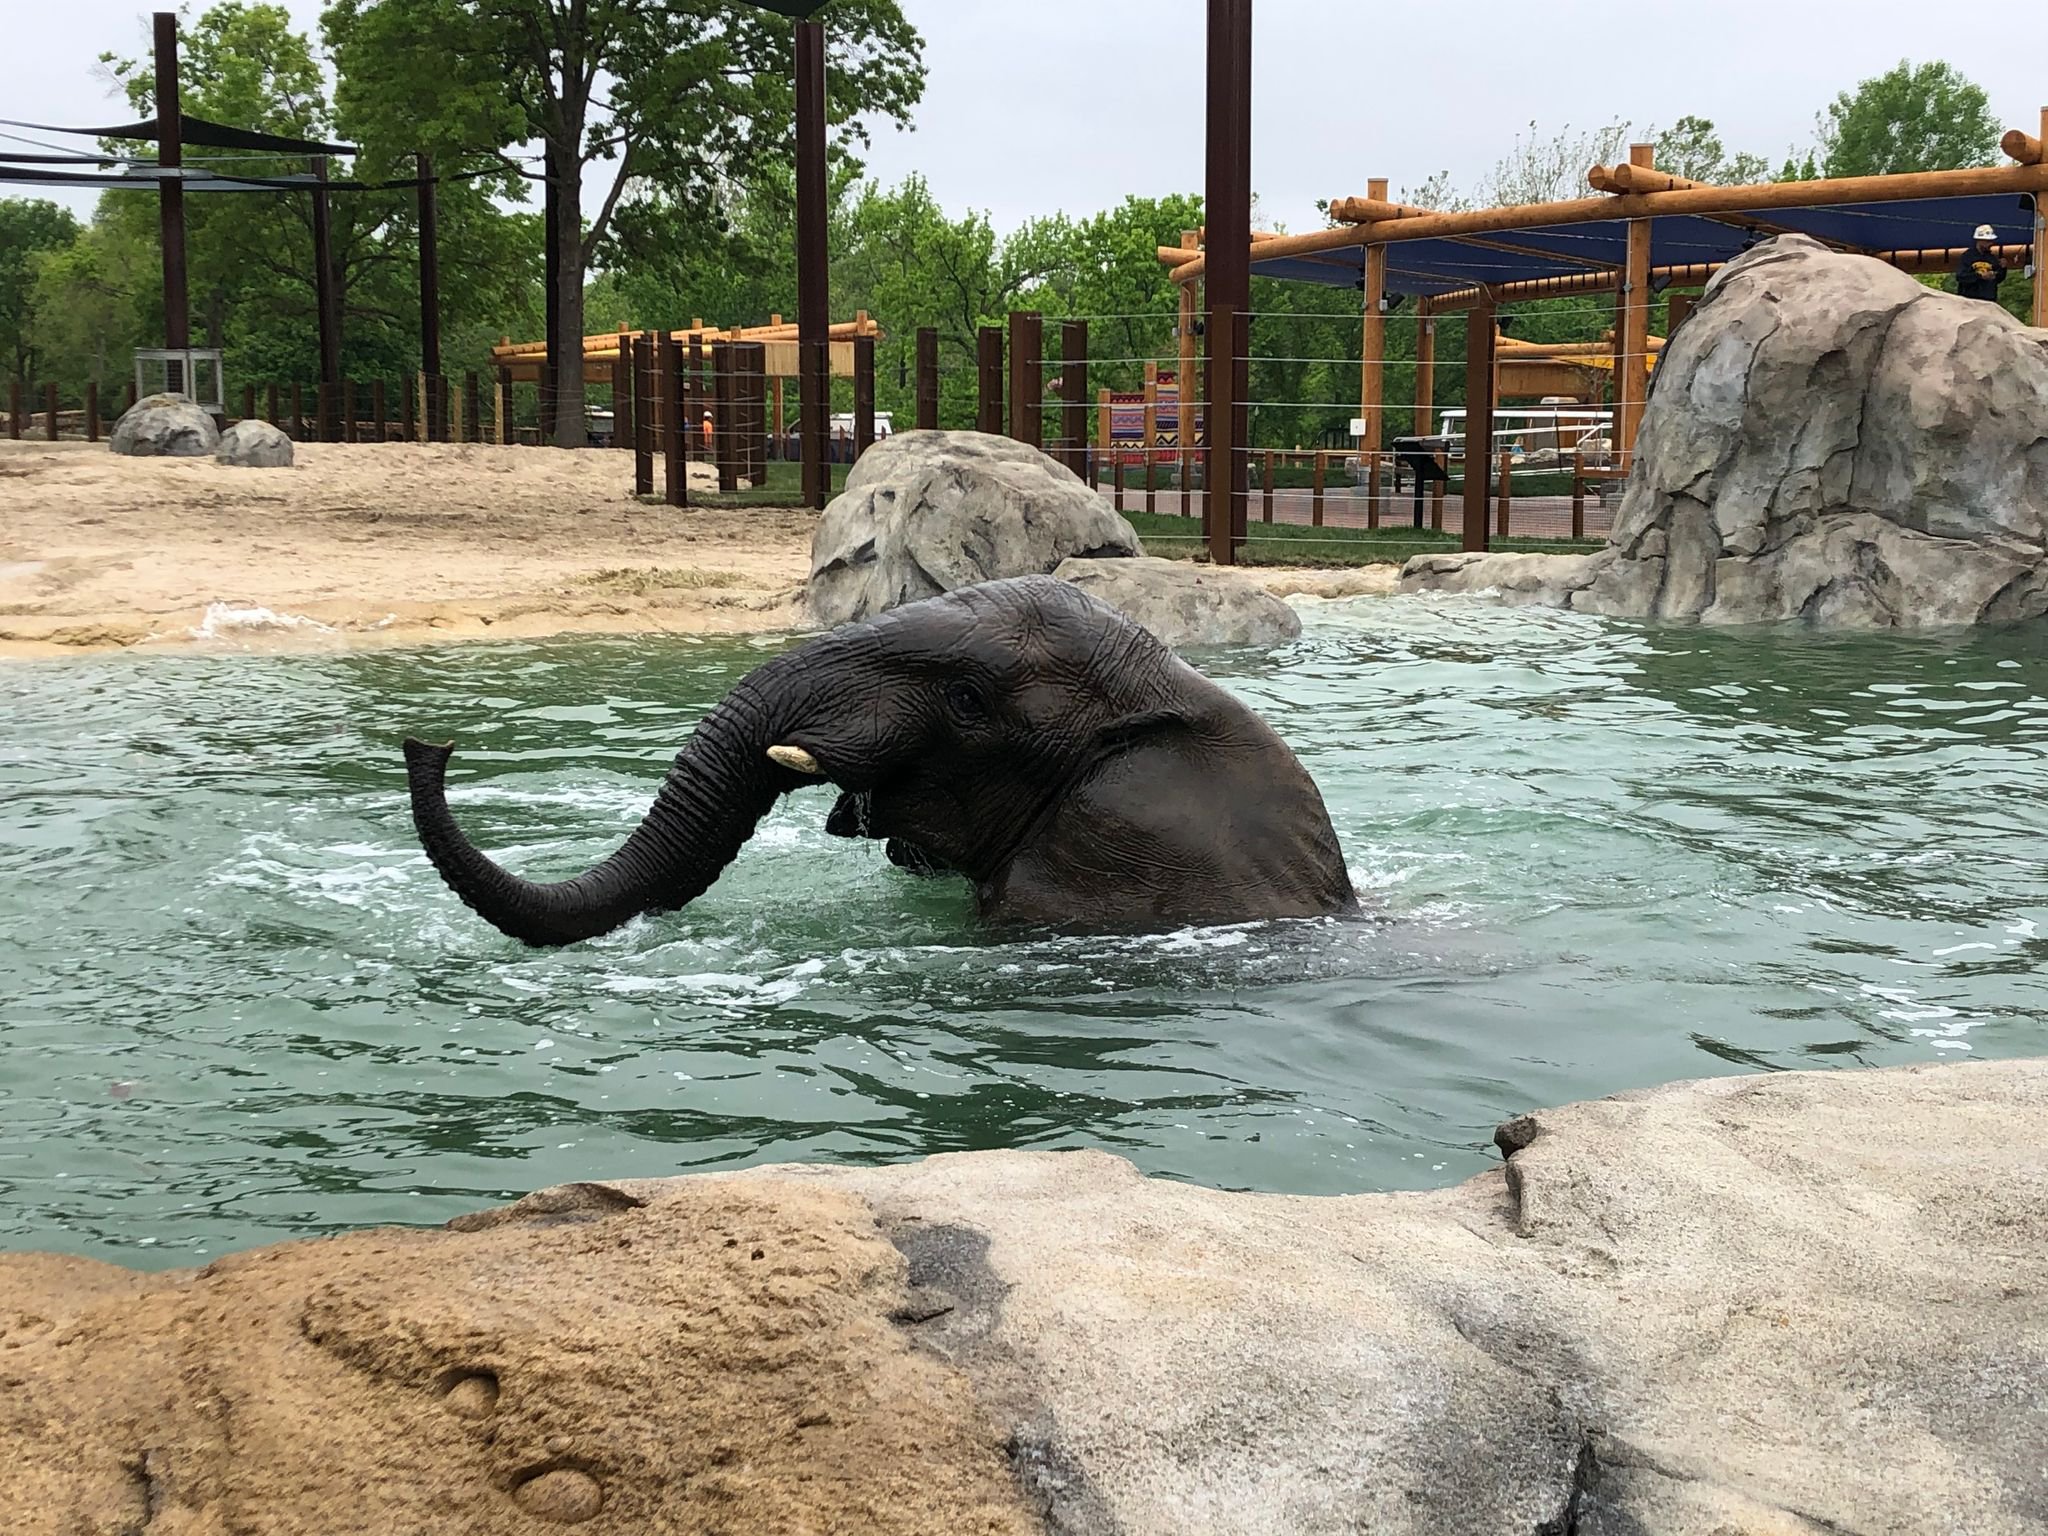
(1053, 105)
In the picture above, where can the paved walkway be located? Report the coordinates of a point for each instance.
(1529, 517)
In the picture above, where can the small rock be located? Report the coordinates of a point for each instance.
(564, 1495)
(255, 444)
(164, 426)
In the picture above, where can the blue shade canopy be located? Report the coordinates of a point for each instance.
(1425, 268)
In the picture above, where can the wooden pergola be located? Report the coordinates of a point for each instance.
(1642, 232)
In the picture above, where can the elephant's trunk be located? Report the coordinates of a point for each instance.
(720, 786)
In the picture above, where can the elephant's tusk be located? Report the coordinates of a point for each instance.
(798, 759)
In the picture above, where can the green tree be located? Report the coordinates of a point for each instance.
(250, 254)
(1691, 148)
(29, 226)
(684, 101)
(1924, 117)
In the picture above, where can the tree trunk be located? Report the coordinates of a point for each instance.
(569, 431)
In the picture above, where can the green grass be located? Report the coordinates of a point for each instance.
(1297, 544)
(784, 487)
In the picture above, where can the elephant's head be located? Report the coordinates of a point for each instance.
(962, 728)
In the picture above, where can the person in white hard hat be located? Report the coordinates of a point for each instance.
(1980, 271)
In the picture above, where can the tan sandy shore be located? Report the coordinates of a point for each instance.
(355, 545)
(392, 544)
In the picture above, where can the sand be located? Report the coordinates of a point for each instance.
(389, 544)
(394, 544)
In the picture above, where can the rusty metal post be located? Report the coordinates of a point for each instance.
(1578, 493)
(1478, 423)
(1315, 512)
(1227, 283)
(988, 416)
(1372, 492)
(50, 412)
(643, 414)
(863, 395)
(1074, 393)
(506, 430)
(1503, 491)
(622, 392)
(674, 452)
(927, 379)
(1027, 376)
(813, 276)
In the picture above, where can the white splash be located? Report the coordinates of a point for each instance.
(223, 620)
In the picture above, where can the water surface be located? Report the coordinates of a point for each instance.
(237, 1005)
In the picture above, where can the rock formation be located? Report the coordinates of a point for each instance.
(1795, 1303)
(1827, 441)
(1186, 605)
(255, 445)
(165, 426)
(926, 512)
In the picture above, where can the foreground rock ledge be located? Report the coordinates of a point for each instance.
(1808, 1302)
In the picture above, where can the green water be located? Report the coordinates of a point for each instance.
(236, 1004)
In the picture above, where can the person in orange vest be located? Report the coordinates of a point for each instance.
(708, 434)
(1980, 271)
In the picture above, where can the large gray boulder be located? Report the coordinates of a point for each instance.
(926, 512)
(1789, 1303)
(1826, 441)
(255, 444)
(1187, 606)
(165, 426)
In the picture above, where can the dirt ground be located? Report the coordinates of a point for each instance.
(393, 544)
(370, 545)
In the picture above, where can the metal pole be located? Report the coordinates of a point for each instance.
(676, 466)
(430, 277)
(1027, 376)
(1074, 393)
(170, 154)
(813, 296)
(1478, 423)
(928, 379)
(724, 409)
(1227, 280)
(323, 300)
(552, 359)
(988, 415)
(643, 414)
(863, 395)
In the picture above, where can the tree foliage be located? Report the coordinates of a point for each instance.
(29, 227)
(1924, 117)
(1691, 148)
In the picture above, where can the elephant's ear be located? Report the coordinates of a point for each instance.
(1135, 729)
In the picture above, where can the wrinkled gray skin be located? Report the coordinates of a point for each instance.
(1019, 733)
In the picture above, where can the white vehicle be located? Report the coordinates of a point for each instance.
(1549, 432)
(841, 424)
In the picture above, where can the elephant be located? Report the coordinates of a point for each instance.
(1019, 733)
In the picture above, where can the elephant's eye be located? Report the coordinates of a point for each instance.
(966, 701)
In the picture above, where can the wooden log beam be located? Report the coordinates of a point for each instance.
(1704, 201)
(1373, 207)
(2022, 146)
(1631, 383)
(1630, 177)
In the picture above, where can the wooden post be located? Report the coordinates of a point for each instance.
(1634, 338)
(1027, 376)
(675, 465)
(1152, 435)
(1117, 476)
(988, 416)
(472, 407)
(328, 312)
(1186, 389)
(92, 410)
(1425, 373)
(1373, 345)
(430, 275)
(1372, 489)
(1578, 493)
(622, 392)
(2040, 313)
(724, 439)
(327, 411)
(1504, 491)
(1315, 515)
(504, 406)
(863, 395)
(348, 410)
(812, 273)
(1478, 422)
(927, 379)
(1228, 197)
(408, 427)
(298, 413)
(1677, 306)
(170, 154)
(1266, 486)
(50, 412)
(380, 410)
(643, 414)
(1074, 393)
(270, 402)
(704, 401)
(752, 362)
(1437, 490)
(248, 402)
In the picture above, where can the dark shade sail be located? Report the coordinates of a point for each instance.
(199, 130)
